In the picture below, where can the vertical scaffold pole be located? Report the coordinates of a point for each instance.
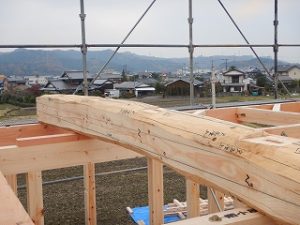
(82, 16)
(275, 49)
(191, 51)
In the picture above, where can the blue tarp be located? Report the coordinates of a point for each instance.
(142, 213)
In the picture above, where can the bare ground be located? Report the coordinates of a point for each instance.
(64, 203)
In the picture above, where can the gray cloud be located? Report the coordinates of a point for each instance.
(108, 21)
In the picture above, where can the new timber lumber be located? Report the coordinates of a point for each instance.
(192, 198)
(9, 135)
(155, 191)
(35, 197)
(240, 216)
(11, 210)
(285, 130)
(267, 117)
(15, 160)
(90, 194)
(262, 170)
(254, 115)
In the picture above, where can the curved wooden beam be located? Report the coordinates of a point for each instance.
(261, 169)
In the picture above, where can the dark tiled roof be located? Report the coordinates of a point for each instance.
(106, 76)
(129, 85)
(186, 80)
(59, 85)
(75, 75)
(238, 73)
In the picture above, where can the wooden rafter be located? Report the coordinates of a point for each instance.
(258, 168)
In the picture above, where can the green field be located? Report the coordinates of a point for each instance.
(8, 111)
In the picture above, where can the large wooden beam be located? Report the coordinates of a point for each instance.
(11, 210)
(15, 160)
(260, 169)
(240, 216)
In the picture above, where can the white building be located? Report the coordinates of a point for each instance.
(233, 81)
(36, 79)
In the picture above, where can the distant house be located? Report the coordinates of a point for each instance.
(233, 81)
(36, 79)
(134, 88)
(13, 83)
(292, 71)
(181, 87)
(286, 80)
(112, 76)
(102, 85)
(3, 79)
(150, 81)
(75, 76)
(67, 83)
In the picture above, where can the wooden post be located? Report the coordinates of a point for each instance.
(155, 192)
(35, 197)
(192, 198)
(90, 194)
(215, 200)
(12, 181)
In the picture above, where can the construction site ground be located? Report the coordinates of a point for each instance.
(64, 201)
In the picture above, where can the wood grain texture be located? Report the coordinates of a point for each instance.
(155, 192)
(213, 206)
(240, 216)
(192, 198)
(260, 169)
(15, 160)
(35, 204)
(90, 194)
(12, 181)
(11, 210)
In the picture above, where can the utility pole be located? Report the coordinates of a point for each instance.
(213, 85)
(226, 64)
(275, 49)
(191, 51)
(82, 16)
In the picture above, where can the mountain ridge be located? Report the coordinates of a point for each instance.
(54, 62)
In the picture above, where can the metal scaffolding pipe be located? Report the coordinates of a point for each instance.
(252, 49)
(213, 86)
(275, 48)
(191, 51)
(148, 46)
(126, 37)
(82, 16)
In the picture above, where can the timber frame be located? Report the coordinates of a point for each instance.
(249, 153)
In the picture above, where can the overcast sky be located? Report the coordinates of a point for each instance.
(108, 21)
